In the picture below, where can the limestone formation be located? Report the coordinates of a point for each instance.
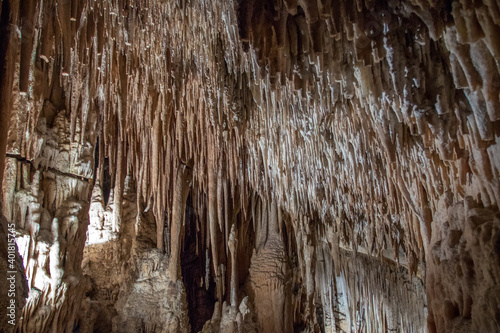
(251, 166)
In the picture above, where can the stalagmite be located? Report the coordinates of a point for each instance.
(233, 243)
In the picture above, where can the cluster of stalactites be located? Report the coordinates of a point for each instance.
(366, 130)
(382, 109)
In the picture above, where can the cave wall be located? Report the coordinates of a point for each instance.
(340, 158)
(13, 284)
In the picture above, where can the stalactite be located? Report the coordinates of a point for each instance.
(118, 189)
(180, 194)
(212, 219)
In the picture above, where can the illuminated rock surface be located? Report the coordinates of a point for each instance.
(253, 166)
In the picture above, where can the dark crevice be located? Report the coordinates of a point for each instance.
(96, 157)
(103, 323)
(106, 181)
(4, 39)
(201, 301)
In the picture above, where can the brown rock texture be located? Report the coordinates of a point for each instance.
(253, 165)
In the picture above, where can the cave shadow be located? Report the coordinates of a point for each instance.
(201, 300)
